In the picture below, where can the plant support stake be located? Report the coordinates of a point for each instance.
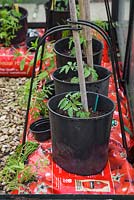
(73, 16)
(89, 51)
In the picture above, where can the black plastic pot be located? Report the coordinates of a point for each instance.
(21, 33)
(80, 146)
(100, 86)
(61, 48)
(41, 130)
(54, 17)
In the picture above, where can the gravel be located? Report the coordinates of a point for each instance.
(12, 118)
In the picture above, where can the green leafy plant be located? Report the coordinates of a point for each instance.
(10, 3)
(40, 90)
(60, 5)
(38, 96)
(88, 71)
(71, 44)
(71, 105)
(102, 24)
(25, 57)
(9, 21)
(15, 172)
(9, 24)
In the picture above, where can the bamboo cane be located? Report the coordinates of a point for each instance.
(73, 16)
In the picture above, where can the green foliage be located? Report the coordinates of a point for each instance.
(71, 43)
(102, 24)
(88, 71)
(40, 90)
(9, 2)
(72, 105)
(9, 20)
(15, 171)
(38, 95)
(69, 66)
(60, 5)
(25, 56)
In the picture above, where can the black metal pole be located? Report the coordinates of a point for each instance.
(116, 74)
(115, 10)
(129, 44)
(113, 39)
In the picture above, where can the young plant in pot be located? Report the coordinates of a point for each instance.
(57, 12)
(80, 122)
(13, 23)
(65, 50)
(66, 78)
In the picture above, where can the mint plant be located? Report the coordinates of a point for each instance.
(71, 105)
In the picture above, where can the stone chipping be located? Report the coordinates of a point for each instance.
(12, 118)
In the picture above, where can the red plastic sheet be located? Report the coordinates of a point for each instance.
(116, 178)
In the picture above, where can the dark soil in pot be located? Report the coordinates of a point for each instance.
(61, 48)
(41, 130)
(99, 86)
(80, 146)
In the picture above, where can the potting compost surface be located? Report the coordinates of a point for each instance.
(116, 178)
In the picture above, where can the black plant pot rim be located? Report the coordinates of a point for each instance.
(25, 15)
(69, 56)
(22, 10)
(38, 122)
(93, 82)
(76, 118)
